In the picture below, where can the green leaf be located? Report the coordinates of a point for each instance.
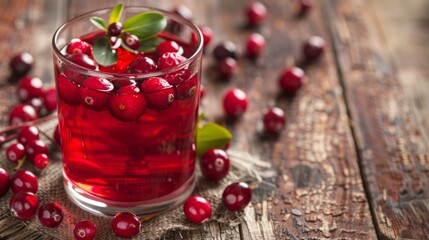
(103, 52)
(145, 25)
(116, 13)
(99, 22)
(149, 45)
(211, 135)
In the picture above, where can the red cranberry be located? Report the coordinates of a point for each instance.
(29, 88)
(94, 93)
(41, 161)
(50, 99)
(236, 196)
(119, 83)
(169, 46)
(188, 88)
(78, 46)
(67, 90)
(84, 230)
(305, 6)
(207, 35)
(314, 47)
(159, 93)
(128, 89)
(125, 224)
(291, 79)
(4, 182)
(37, 104)
(83, 60)
(182, 11)
(168, 60)
(255, 45)
(21, 64)
(228, 67)
(73, 76)
(256, 13)
(127, 106)
(23, 205)
(224, 50)
(115, 29)
(22, 113)
(178, 77)
(35, 147)
(24, 181)
(235, 102)
(28, 134)
(50, 215)
(57, 136)
(131, 41)
(215, 164)
(274, 120)
(15, 152)
(197, 209)
(143, 64)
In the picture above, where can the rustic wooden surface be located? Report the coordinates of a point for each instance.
(353, 161)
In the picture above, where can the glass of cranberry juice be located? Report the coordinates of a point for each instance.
(127, 134)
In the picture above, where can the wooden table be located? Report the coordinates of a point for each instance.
(353, 162)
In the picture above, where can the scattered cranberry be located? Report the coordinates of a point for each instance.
(41, 161)
(115, 29)
(215, 164)
(78, 46)
(305, 6)
(236, 196)
(24, 181)
(143, 64)
(127, 106)
(274, 120)
(4, 182)
(50, 215)
(35, 147)
(23, 205)
(83, 60)
(169, 46)
(228, 67)
(207, 35)
(29, 88)
(256, 13)
(314, 47)
(67, 90)
(50, 99)
(22, 113)
(28, 134)
(197, 209)
(15, 152)
(168, 60)
(224, 50)
(37, 104)
(291, 79)
(115, 42)
(182, 11)
(131, 41)
(95, 93)
(84, 230)
(126, 225)
(235, 102)
(21, 64)
(159, 93)
(255, 44)
(57, 136)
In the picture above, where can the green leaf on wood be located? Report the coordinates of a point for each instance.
(116, 13)
(211, 135)
(145, 25)
(99, 22)
(149, 45)
(103, 52)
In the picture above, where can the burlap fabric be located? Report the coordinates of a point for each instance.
(51, 190)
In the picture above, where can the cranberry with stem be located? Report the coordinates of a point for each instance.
(235, 102)
(256, 13)
(197, 209)
(4, 181)
(236, 196)
(28, 134)
(214, 164)
(15, 152)
(21, 64)
(24, 181)
(274, 120)
(50, 215)
(23, 205)
(84, 230)
(126, 224)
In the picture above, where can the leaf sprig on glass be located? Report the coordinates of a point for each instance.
(136, 34)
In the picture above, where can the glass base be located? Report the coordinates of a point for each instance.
(104, 207)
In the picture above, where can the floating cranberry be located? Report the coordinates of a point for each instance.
(78, 46)
(131, 41)
(15, 152)
(57, 136)
(256, 13)
(127, 106)
(291, 79)
(236, 196)
(50, 215)
(314, 47)
(73, 76)
(188, 88)
(178, 77)
(21, 64)
(159, 93)
(305, 6)
(125, 224)
(255, 45)
(84, 230)
(214, 164)
(224, 50)
(22, 113)
(35, 147)
(94, 93)
(169, 46)
(84, 61)
(235, 102)
(168, 60)
(143, 64)
(228, 67)
(119, 83)
(24, 181)
(68, 91)
(115, 29)
(274, 120)
(28, 134)
(50, 99)
(129, 89)
(41, 161)
(29, 88)
(23, 205)
(4, 182)
(197, 209)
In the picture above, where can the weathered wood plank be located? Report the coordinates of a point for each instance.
(382, 55)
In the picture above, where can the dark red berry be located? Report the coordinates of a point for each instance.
(228, 67)
(235, 102)
(50, 99)
(41, 161)
(255, 45)
(197, 209)
(224, 50)
(4, 182)
(236, 196)
(125, 224)
(50, 215)
(36, 103)
(214, 164)
(169, 46)
(24, 181)
(28, 134)
(159, 93)
(22, 113)
(143, 64)
(15, 152)
(57, 136)
(291, 79)
(84, 230)
(182, 11)
(94, 93)
(305, 6)
(115, 42)
(119, 83)
(178, 77)
(274, 120)
(23, 205)
(131, 41)
(84, 61)
(314, 47)
(29, 88)
(35, 147)
(21, 64)
(207, 35)
(68, 91)
(127, 106)
(115, 29)
(256, 13)
(188, 88)
(78, 46)
(168, 60)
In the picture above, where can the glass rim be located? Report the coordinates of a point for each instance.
(196, 53)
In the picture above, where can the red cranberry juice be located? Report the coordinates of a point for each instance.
(128, 161)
